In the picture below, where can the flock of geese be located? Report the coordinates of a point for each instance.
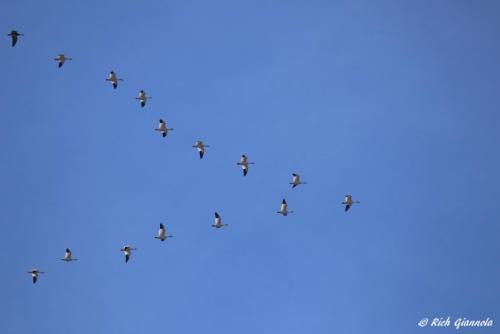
(199, 145)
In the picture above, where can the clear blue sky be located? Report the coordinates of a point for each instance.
(396, 102)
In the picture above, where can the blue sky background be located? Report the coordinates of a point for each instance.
(396, 102)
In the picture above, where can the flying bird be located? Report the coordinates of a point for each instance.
(68, 257)
(162, 233)
(143, 98)
(127, 250)
(162, 127)
(113, 79)
(200, 146)
(244, 164)
(61, 58)
(34, 274)
(14, 35)
(218, 221)
(348, 202)
(296, 180)
(284, 209)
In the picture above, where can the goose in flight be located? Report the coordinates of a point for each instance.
(127, 250)
(67, 256)
(34, 274)
(218, 221)
(61, 58)
(244, 164)
(296, 180)
(200, 146)
(348, 202)
(284, 209)
(14, 34)
(162, 233)
(162, 127)
(113, 79)
(143, 98)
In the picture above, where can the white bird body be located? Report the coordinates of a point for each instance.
(61, 58)
(143, 98)
(296, 180)
(162, 233)
(218, 221)
(200, 147)
(68, 256)
(284, 208)
(113, 79)
(348, 202)
(162, 127)
(142, 95)
(127, 250)
(34, 274)
(244, 163)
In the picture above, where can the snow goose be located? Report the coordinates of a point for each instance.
(113, 79)
(61, 58)
(68, 257)
(162, 127)
(200, 146)
(284, 209)
(14, 34)
(244, 163)
(34, 274)
(218, 221)
(127, 250)
(143, 98)
(348, 202)
(296, 180)
(162, 233)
